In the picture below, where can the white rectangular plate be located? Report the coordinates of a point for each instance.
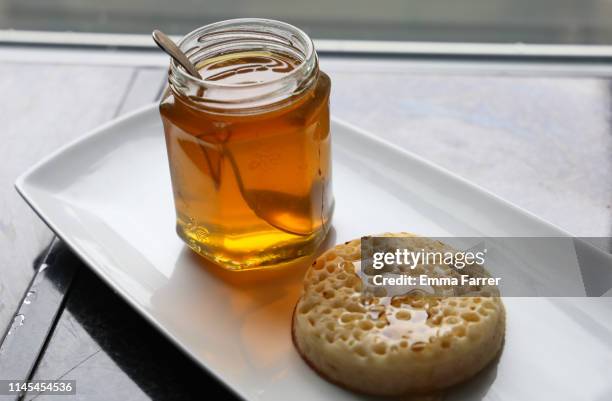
(108, 196)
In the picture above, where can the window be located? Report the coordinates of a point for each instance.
(492, 21)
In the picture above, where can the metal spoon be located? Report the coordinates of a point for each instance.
(264, 204)
(167, 45)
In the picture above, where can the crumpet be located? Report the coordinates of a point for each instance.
(392, 345)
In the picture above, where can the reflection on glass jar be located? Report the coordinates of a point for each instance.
(249, 144)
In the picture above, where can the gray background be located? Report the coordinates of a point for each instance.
(529, 21)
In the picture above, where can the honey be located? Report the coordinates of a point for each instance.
(250, 159)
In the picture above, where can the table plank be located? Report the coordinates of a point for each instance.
(45, 106)
(36, 317)
(146, 87)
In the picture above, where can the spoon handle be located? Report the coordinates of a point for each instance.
(167, 45)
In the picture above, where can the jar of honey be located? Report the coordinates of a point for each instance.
(249, 144)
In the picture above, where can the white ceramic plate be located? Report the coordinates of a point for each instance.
(108, 196)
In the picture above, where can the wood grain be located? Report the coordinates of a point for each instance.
(43, 107)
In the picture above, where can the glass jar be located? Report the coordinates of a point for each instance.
(249, 144)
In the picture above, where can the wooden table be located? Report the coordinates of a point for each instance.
(537, 134)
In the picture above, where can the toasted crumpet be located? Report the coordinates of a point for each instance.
(392, 345)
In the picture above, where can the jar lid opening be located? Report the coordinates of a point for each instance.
(246, 34)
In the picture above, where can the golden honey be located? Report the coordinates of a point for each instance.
(249, 153)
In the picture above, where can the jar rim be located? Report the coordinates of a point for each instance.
(305, 64)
